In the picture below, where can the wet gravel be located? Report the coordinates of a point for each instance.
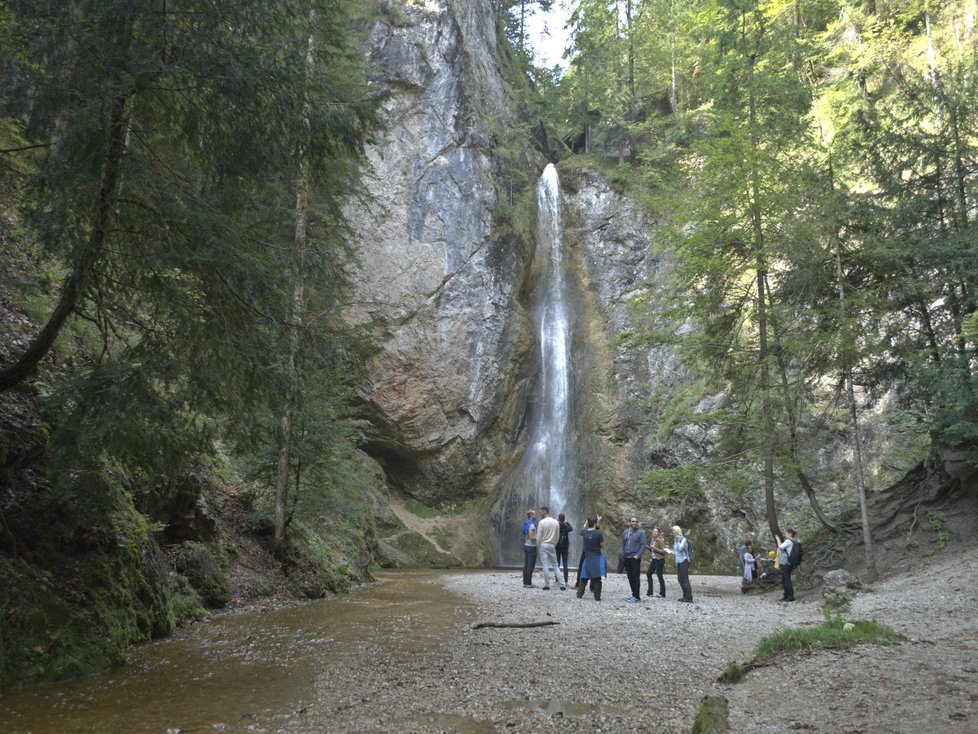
(928, 684)
(614, 666)
(607, 666)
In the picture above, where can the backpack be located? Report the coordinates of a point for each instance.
(795, 555)
(690, 550)
(564, 540)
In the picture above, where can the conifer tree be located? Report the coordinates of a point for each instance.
(169, 134)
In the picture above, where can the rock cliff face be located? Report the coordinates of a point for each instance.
(439, 287)
(611, 236)
(448, 293)
(447, 290)
(446, 284)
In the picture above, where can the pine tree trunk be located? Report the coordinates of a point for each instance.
(854, 439)
(296, 275)
(761, 275)
(85, 255)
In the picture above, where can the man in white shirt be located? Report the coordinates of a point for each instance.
(548, 533)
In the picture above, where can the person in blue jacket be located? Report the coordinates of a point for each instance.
(594, 566)
(679, 546)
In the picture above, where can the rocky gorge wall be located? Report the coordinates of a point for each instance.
(439, 285)
(446, 286)
(446, 289)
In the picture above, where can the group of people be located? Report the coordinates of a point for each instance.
(550, 539)
(748, 564)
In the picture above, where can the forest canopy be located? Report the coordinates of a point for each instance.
(817, 164)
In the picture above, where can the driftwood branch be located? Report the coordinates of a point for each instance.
(480, 625)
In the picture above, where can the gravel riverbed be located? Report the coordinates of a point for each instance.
(614, 666)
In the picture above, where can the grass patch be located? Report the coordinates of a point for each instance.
(734, 672)
(835, 633)
(421, 510)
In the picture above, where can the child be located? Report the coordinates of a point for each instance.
(750, 565)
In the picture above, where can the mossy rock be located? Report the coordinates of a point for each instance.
(94, 584)
(206, 570)
(188, 606)
(713, 716)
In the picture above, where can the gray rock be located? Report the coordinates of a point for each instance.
(437, 286)
(839, 590)
(840, 578)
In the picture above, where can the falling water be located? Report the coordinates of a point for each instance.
(545, 473)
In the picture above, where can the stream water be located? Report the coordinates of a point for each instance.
(244, 671)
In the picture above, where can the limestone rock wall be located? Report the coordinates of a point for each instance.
(612, 239)
(438, 287)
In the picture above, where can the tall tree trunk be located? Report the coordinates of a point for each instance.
(84, 256)
(296, 274)
(855, 442)
(632, 102)
(673, 92)
(760, 261)
(789, 407)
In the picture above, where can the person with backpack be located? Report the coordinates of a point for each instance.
(593, 567)
(789, 556)
(563, 545)
(580, 564)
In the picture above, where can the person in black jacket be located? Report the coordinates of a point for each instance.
(563, 545)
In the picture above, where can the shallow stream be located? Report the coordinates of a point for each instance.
(242, 671)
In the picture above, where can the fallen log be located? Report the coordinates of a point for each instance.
(480, 625)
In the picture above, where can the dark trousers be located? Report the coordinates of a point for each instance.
(682, 573)
(562, 556)
(789, 589)
(580, 565)
(656, 567)
(633, 568)
(529, 562)
(595, 588)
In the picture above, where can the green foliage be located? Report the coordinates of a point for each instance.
(97, 584)
(515, 16)
(823, 219)
(187, 604)
(421, 510)
(206, 570)
(151, 163)
(664, 484)
(833, 634)
(330, 520)
(942, 536)
(176, 247)
(733, 673)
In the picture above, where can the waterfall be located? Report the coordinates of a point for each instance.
(546, 472)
